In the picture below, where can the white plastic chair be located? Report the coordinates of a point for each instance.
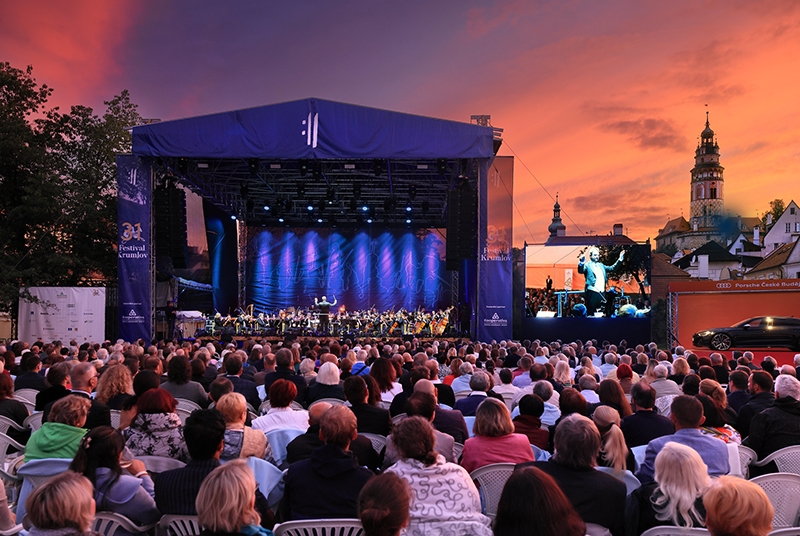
(27, 403)
(187, 404)
(175, 525)
(470, 425)
(397, 418)
(540, 455)
(378, 441)
(183, 414)
(458, 448)
(491, 479)
(116, 416)
(462, 394)
(159, 464)
(787, 459)
(6, 423)
(631, 482)
(783, 490)
(27, 394)
(320, 527)
(639, 454)
(332, 401)
(107, 523)
(278, 440)
(673, 531)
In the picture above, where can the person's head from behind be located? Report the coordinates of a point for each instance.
(577, 442)
(480, 381)
(219, 387)
(506, 377)
(415, 440)
(71, 410)
(230, 488)
(691, 385)
(338, 426)
(682, 477)
(282, 393)
(144, 381)
(328, 374)
(572, 401)
(492, 419)
(100, 447)
(203, 432)
(421, 404)
(179, 370)
(531, 405)
(686, 412)
(787, 386)
(156, 401)
(65, 501)
(737, 507)
(383, 505)
(532, 503)
(233, 407)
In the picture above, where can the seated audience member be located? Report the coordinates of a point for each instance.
(62, 505)
(332, 475)
(30, 365)
(644, 424)
(462, 382)
(687, 416)
(739, 395)
(280, 415)
(529, 422)
(714, 390)
(114, 387)
(714, 424)
(422, 404)
(611, 394)
(777, 426)
(247, 388)
(327, 384)
(444, 500)
(479, 384)
(675, 498)
(156, 430)
(505, 388)
(61, 435)
(577, 445)
(662, 385)
(60, 385)
(226, 502)
(737, 507)
(571, 401)
(130, 495)
(532, 503)
(219, 387)
(13, 409)
(624, 375)
(284, 370)
(613, 451)
(383, 505)
(303, 446)
(448, 421)
(384, 373)
(176, 490)
(83, 377)
(371, 419)
(588, 387)
(761, 398)
(495, 440)
(142, 382)
(180, 384)
(240, 441)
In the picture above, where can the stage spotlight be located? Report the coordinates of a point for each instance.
(266, 207)
(302, 165)
(408, 220)
(426, 206)
(369, 220)
(441, 166)
(280, 220)
(301, 191)
(412, 192)
(310, 208)
(233, 216)
(319, 220)
(408, 208)
(365, 208)
(252, 166)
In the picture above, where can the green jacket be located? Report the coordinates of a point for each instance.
(54, 440)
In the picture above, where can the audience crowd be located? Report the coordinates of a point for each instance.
(389, 431)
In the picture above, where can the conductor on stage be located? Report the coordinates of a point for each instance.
(324, 309)
(596, 274)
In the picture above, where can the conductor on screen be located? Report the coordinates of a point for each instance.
(596, 274)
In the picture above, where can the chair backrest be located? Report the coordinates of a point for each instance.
(36, 472)
(183, 414)
(159, 464)
(107, 523)
(789, 531)
(6, 423)
(6, 443)
(593, 529)
(265, 406)
(33, 421)
(175, 525)
(491, 479)
(673, 531)
(664, 405)
(540, 455)
(27, 394)
(187, 404)
(27, 403)
(470, 425)
(783, 490)
(631, 482)
(787, 459)
(462, 394)
(116, 415)
(639, 454)
(279, 439)
(333, 401)
(397, 418)
(320, 527)
(508, 398)
(746, 457)
(378, 441)
(458, 448)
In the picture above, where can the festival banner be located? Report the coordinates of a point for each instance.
(495, 310)
(63, 313)
(133, 254)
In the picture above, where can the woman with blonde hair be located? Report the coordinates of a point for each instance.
(115, 386)
(680, 369)
(226, 502)
(64, 505)
(613, 451)
(563, 374)
(240, 441)
(735, 506)
(675, 498)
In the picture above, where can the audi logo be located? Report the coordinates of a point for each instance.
(724, 285)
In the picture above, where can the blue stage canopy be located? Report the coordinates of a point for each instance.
(313, 129)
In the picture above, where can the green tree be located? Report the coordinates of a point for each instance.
(57, 187)
(776, 208)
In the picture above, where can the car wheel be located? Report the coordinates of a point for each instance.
(721, 341)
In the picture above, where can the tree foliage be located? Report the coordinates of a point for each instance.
(57, 186)
(776, 208)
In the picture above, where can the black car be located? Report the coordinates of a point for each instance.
(759, 331)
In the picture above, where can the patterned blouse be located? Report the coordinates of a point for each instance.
(156, 434)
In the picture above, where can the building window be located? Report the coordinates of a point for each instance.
(788, 227)
(797, 227)
(791, 210)
(713, 192)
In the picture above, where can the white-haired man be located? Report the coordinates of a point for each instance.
(596, 274)
(777, 426)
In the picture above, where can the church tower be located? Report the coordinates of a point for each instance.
(557, 227)
(707, 205)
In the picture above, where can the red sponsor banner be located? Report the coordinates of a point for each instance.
(735, 286)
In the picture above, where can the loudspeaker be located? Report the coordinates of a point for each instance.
(462, 217)
(170, 223)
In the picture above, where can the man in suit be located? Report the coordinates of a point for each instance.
(450, 422)
(644, 424)
(479, 383)
(83, 377)
(596, 274)
(371, 419)
(761, 398)
(30, 378)
(284, 371)
(233, 370)
(176, 490)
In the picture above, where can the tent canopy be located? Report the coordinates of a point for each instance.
(313, 129)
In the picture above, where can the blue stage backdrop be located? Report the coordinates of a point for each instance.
(361, 268)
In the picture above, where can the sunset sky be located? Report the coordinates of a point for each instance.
(601, 102)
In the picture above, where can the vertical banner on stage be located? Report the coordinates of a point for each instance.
(133, 255)
(495, 309)
(63, 313)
